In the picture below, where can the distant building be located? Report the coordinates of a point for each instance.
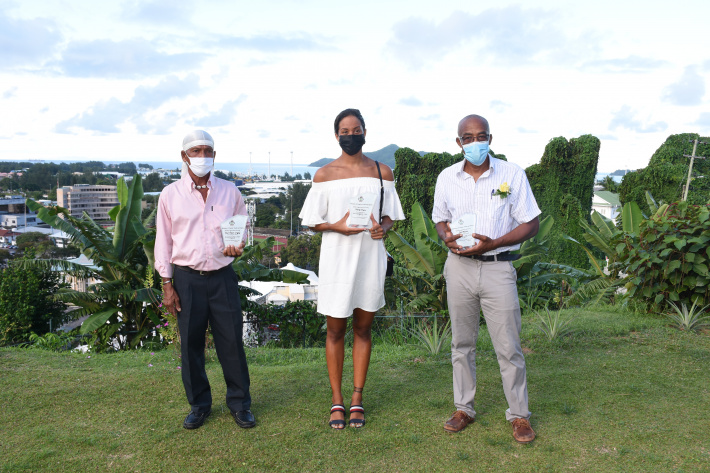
(58, 237)
(14, 204)
(13, 213)
(279, 293)
(17, 220)
(8, 237)
(96, 200)
(606, 203)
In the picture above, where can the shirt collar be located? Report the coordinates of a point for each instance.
(189, 184)
(492, 162)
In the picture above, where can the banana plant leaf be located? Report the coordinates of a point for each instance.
(97, 320)
(592, 259)
(124, 233)
(596, 239)
(415, 258)
(631, 218)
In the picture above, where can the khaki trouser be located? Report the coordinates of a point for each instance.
(472, 286)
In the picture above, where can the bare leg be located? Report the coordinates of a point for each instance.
(334, 354)
(362, 347)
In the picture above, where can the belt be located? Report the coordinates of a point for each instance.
(188, 269)
(502, 256)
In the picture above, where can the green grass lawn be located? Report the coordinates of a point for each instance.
(623, 393)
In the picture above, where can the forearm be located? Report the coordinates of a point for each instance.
(519, 234)
(386, 224)
(322, 227)
(441, 229)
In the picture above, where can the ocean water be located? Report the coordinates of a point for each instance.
(601, 175)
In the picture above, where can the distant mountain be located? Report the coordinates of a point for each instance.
(321, 162)
(384, 155)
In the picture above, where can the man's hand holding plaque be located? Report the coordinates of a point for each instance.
(233, 234)
(465, 226)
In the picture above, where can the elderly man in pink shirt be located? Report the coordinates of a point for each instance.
(199, 284)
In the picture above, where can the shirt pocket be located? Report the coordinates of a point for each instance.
(500, 209)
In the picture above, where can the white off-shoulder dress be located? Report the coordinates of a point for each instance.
(352, 268)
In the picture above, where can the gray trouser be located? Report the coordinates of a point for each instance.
(472, 286)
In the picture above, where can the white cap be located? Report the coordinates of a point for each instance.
(197, 138)
(192, 139)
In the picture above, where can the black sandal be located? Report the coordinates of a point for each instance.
(357, 423)
(334, 423)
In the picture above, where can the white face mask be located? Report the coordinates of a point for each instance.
(201, 166)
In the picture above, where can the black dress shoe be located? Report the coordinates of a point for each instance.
(195, 420)
(245, 419)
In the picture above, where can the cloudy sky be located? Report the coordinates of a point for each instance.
(125, 80)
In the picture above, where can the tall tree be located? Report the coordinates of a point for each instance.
(303, 251)
(153, 183)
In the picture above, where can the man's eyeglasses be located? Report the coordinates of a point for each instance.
(466, 139)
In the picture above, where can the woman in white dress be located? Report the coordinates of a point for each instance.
(353, 260)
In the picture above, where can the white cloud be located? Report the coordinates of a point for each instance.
(107, 116)
(499, 106)
(273, 42)
(625, 117)
(133, 58)
(703, 121)
(158, 12)
(411, 102)
(689, 90)
(629, 64)
(223, 117)
(26, 42)
(9, 93)
(505, 36)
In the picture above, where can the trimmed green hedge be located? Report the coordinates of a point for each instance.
(563, 184)
(666, 174)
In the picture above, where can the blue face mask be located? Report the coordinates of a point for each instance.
(476, 152)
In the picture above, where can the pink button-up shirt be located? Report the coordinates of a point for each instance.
(188, 229)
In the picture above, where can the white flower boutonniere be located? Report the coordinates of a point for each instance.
(503, 191)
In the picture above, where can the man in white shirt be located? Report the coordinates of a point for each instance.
(482, 277)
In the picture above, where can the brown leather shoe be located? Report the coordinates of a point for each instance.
(458, 421)
(522, 432)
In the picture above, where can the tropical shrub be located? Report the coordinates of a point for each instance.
(669, 259)
(122, 305)
(52, 341)
(297, 323)
(27, 304)
(418, 281)
(303, 251)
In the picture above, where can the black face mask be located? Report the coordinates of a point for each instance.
(351, 144)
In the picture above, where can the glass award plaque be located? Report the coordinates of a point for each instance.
(233, 230)
(361, 210)
(466, 226)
